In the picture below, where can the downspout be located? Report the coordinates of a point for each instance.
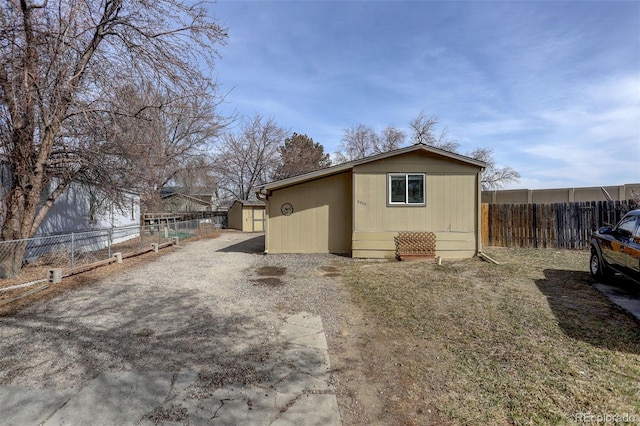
(606, 194)
(262, 195)
(479, 252)
(479, 214)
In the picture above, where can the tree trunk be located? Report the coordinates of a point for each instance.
(11, 257)
(24, 215)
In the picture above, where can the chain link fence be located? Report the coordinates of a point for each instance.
(78, 248)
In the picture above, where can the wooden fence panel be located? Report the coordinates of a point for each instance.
(566, 226)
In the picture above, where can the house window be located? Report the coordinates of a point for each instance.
(406, 189)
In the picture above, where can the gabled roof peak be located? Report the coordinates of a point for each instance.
(339, 168)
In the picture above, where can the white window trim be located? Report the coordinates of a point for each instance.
(406, 195)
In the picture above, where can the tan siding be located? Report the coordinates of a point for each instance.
(449, 245)
(321, 219)
(247, 220)
(258, 219)
(418, 161)
(252, 219)
(387, 244)
(234, 216)
(450, 205)
(373, 254)
(450, 211)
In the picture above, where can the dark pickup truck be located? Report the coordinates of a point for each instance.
(617, 249)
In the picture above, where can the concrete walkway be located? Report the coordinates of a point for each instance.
(624, 294)
(296, 391)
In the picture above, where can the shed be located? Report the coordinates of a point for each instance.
(358, 208)
(247, 216)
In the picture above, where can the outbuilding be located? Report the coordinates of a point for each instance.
(247, 216)
(359, 208)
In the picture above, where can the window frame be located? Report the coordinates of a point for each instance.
(622, 231)
(406, 202)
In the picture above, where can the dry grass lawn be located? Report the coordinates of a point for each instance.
(529, 341)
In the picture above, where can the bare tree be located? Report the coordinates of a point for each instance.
(389, 139)
(247, 158)
(423, 128)
(59, 61)
(198, 175)
(162, 137)
(357, 142)
(493, 177)
(300, 154)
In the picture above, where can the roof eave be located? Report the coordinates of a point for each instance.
(339, 168)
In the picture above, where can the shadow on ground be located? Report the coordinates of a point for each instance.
(585, 314)
(166, 332)
(251, 246)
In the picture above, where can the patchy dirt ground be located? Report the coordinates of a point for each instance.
(185, 307)
(189, 307)
(529, 341)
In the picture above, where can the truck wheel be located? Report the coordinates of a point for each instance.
(597, 268)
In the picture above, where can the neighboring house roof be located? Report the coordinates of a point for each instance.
(339, 168)
(188, 197)
(199, 191)
(250, 203)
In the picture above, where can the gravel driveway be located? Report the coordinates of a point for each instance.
(214, 306)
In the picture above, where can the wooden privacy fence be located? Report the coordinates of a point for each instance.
(563, 225)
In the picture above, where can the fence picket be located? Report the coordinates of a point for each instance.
(567, 225)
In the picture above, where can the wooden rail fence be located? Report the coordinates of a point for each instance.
(563, 225)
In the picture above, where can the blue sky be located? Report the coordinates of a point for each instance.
(552, 87)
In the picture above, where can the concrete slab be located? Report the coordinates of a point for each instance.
(119, 397)
(627, 299)
(275, 372)
(305, 319)
(300, 382)
(182, 380)
(258, 410)
(24, 406)
(311, 410)
(296, 392)
(304, 336)
(308, 360)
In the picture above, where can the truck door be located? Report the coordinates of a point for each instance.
(633, 250)
(616, 254)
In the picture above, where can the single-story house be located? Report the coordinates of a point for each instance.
(77, 210)
(183, 202)
(359, 207)
(247, 216)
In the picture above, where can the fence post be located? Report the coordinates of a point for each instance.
(110, 237)
(73, 249)
(534, 221)
(54, 276)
